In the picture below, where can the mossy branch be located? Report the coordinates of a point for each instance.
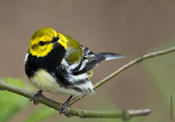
(125, 115)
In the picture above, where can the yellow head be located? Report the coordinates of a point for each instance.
(43, 40)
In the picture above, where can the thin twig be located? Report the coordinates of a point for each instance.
(125, 115)
(128, 65)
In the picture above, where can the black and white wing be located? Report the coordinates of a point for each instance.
(91, 60)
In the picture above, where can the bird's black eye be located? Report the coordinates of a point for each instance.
(41, 43)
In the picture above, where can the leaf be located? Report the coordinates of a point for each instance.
(11, 103)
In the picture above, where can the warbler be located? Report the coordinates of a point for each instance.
(57, 63)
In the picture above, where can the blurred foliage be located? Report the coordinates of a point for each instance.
(11, 103)
(162, 70)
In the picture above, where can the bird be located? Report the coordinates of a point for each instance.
(57, 63)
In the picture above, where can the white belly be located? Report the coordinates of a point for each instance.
(45, 81)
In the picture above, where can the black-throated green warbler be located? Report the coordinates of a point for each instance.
(58, 63)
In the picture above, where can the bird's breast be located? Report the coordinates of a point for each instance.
(45, 81)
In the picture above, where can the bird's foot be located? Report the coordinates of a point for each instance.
(64, 108)
(34, 98)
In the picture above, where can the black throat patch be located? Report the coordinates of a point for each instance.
(50, 62)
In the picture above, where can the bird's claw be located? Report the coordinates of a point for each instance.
(64, 109)
(34, 98)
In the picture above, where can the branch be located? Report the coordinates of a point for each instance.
(128, 65)
(125, 115)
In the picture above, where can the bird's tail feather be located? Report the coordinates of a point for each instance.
(95, 60)
(109, 56)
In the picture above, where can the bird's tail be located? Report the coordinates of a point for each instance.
(108, 56)
(94, 60)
